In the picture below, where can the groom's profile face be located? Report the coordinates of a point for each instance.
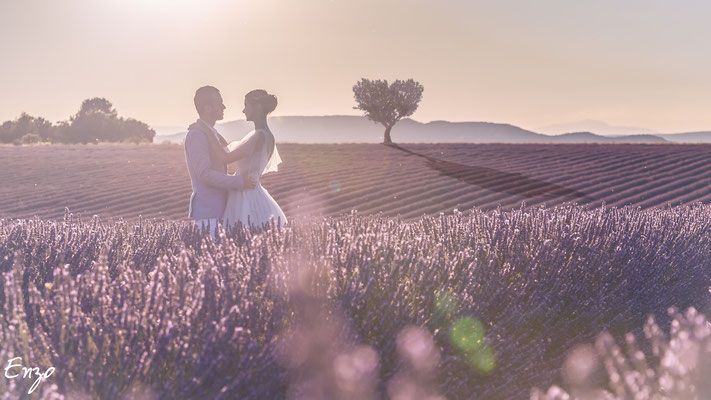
(212, 107)
(216, 106)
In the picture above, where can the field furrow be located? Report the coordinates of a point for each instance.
(330, 179)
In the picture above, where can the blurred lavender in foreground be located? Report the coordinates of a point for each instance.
(320, 350)
(468, 305)
(678, 368)
(417, 379)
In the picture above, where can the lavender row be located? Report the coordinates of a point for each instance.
(469, 305)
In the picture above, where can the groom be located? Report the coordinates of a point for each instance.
(208, 175)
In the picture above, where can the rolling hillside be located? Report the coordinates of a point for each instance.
(328, 179)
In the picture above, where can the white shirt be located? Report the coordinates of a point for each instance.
(213, 131)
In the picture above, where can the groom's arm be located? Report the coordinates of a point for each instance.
(197, 148)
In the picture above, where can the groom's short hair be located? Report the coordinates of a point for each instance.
(203, 96)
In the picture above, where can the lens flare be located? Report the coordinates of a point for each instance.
(467, 333)
(483, 357)
(446, 303)
(335, 186)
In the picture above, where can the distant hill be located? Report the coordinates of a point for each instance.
(599, 127)
(588, 137)
(688, 137)
(356, 129)
(166, 130)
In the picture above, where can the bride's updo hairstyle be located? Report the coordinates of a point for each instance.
(267, 101)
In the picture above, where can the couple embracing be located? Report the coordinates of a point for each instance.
(219, 197)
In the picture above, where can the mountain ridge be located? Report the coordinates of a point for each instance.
(358, 129)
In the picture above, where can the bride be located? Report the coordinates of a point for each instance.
(256, 154)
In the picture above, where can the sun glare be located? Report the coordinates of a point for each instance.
(173, 9)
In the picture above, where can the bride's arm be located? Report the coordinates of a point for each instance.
(225, 156)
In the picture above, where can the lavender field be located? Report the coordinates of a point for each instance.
(474, 305)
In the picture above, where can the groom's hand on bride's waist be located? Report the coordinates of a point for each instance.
(249, 182)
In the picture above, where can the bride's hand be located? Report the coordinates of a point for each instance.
(249, 182)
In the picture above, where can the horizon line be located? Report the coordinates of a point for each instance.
(534, 130)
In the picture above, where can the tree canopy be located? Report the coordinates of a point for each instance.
(96, 121)
(387, 104)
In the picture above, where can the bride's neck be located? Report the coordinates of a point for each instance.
(261, 124)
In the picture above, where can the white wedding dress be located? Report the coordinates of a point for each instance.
(254, 206)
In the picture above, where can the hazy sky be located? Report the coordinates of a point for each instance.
(644, 63)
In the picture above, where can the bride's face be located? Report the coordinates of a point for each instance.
(251, 111)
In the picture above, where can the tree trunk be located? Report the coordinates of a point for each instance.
(386, 138)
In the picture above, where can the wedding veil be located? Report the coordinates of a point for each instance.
(274, 160)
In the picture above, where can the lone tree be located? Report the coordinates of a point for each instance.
(387, 104)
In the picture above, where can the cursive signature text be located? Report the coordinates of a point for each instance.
(27, 373)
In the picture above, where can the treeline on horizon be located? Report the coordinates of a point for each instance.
(96, 121)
